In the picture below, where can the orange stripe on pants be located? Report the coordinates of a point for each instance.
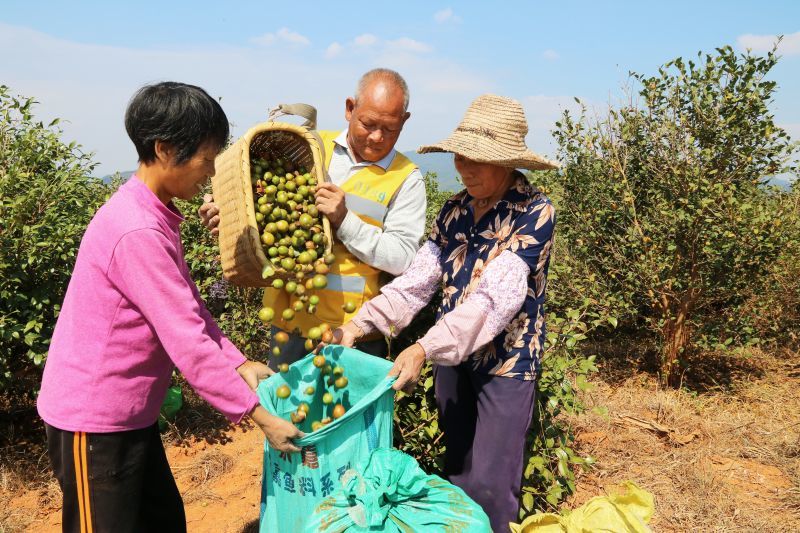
(82, 481)
(86, 500)
(76, 455)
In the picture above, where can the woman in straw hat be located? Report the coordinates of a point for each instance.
(489, 249)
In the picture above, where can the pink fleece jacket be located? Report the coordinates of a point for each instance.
(130, 315)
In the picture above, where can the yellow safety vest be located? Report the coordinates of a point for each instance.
(368, 193)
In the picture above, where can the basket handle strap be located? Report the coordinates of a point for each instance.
(305, 111)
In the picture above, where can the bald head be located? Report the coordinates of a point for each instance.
(376, 114)
(382, 82)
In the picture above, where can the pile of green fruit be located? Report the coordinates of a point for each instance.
(292, 234)
(332, 385)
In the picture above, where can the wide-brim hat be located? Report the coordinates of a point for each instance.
(493, 131)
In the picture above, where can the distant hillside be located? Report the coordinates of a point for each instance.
(125, 175)
(783, 181)
(442, 165)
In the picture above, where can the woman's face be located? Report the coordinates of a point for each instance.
(482, 180)
(190, 177)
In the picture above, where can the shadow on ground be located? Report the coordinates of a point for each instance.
(252, 527)
(702, 371)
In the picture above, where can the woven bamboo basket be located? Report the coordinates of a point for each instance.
(243, 258)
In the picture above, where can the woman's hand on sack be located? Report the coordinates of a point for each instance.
(330, 202)
(209, 214)
(279, 432)
(253, 373)
(407, 367)
(347, 335)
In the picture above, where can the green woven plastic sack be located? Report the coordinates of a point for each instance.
(392, 493)
(294, 484)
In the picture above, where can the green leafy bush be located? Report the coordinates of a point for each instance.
(46, 202)
(663, 198)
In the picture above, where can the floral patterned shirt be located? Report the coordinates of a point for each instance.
(522, 222)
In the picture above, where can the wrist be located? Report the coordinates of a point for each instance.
(336, 218)
(260, 416)
(354, 329)
(419, 351)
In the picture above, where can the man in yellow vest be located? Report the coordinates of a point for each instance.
(375, 204)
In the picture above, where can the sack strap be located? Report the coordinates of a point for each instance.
(305, 111)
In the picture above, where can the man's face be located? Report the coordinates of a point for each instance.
(375, 121)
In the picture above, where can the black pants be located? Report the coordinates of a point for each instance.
(485, 421)
(115, 482)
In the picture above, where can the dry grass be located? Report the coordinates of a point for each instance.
(200, 473)
(739, 472)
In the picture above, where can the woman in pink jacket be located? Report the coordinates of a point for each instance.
(130, 315)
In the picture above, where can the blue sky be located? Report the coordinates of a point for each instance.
(83, 60)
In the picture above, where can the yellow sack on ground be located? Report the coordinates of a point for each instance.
(628, 512)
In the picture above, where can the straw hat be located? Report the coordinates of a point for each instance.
(493, 131)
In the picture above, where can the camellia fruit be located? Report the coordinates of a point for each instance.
(338, 410)
(281, 337)
(283, 392)
(314, 333)
(319, 361)
(327, 398)
(283, 368)
(319, 281)
(287, 314)
(349, 307)
(340, 383)
(315, 425)
(266, 314)
(309, 390)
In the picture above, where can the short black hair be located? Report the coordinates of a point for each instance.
(180, 114)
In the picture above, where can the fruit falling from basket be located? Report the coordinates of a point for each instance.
(292, 235)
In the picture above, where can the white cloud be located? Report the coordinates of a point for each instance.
(88, 86)
(406, 44)
(282, 35)
(368, 45)
(790, 45)
(550, 55)
(333, 50)
(446, 15)
(366, 40)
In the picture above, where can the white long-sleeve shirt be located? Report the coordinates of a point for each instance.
(392, 248)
